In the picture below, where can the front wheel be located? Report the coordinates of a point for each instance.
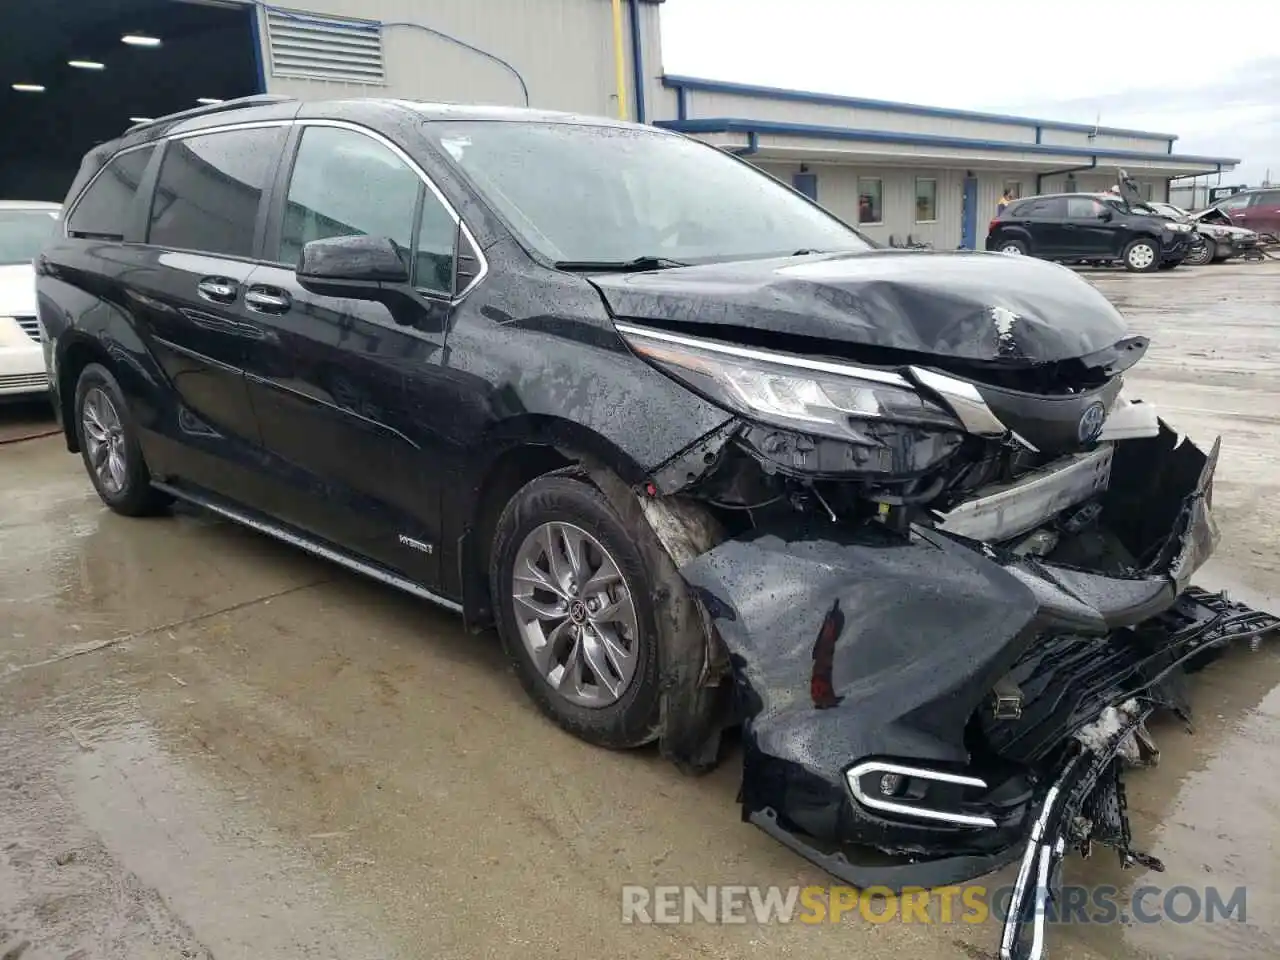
(1199, 256)
(572, 597)
(109, 445)
(1141, 256)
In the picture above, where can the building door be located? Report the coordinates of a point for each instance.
(806, 183)
(969, 214)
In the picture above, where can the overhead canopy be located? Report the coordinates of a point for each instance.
(205, 50)
(780, 140)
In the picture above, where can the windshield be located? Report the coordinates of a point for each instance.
(23, 233)
(597, 194)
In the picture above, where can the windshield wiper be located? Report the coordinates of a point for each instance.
(619, 266)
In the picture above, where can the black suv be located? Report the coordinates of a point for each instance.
(1090, 228)
(702, 454)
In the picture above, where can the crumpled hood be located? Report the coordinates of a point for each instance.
(969, 306)
(17, 290)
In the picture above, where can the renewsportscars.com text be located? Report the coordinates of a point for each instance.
(973, 904)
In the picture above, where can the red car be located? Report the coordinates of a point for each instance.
(1257, 210)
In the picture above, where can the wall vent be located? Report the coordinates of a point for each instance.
(323, 48)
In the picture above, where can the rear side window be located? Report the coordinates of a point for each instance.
(1042, 208)
(1268, 198)
(209, 190)
(104, 208)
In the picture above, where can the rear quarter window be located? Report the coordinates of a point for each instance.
(103, 209)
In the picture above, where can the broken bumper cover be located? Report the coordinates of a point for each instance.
(866, 661)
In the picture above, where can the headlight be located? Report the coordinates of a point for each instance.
(1178, 227)
(812, 396)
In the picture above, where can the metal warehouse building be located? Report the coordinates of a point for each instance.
(81, 72)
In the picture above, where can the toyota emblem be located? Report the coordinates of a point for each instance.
(1091, 422)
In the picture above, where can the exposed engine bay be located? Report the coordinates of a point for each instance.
(950, 592)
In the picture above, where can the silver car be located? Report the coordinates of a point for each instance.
(1222, 241)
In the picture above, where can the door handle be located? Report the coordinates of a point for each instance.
(267, 300)
(218, 289)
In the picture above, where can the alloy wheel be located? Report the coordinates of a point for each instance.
(576, 614)
(105, 441)
(1012, 249)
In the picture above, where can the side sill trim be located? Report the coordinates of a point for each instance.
(312, 547)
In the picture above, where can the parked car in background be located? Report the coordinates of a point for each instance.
(1257, 210)
(25, 227)
(1221, 240)
(1091, 228)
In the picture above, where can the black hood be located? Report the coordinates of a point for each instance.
(968, 306)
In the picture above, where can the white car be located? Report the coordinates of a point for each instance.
(25, 226)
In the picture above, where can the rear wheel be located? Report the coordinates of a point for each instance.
(1014, 248)
(1199, 256)
(1141, 255)
(109, 445)
(571, 593)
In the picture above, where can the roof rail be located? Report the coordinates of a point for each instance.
(255, 100)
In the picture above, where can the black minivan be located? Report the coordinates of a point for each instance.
(1090, 228)
(702, 454)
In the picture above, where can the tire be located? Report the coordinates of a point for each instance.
(108, 439)
(1012, 248)
(535, 519)
(1142, 255)
(1206, 254)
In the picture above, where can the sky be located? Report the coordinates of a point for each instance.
(1209, 73)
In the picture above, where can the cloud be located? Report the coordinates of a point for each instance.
(1236, 114)
(971, 55)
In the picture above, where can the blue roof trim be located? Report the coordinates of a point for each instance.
(737, 125)
(890, 106)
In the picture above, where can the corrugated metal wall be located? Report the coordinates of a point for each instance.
(562, 48)
(838, 192)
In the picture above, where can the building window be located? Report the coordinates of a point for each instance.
(870, 205)
(926, 200)
(1014, 189)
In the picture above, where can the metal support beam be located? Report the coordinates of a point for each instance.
(637, 61)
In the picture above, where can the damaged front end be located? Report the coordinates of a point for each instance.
(949, 598)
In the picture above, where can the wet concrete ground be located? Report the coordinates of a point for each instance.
(214, 746)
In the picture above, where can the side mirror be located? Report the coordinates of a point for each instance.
(351, 267)
(1105, 215)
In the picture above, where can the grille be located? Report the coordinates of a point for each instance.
(322, 48)
(30, 326)
(23, 381)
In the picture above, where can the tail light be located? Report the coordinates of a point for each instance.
(993, 224)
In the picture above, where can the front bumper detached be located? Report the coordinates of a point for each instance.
(920, 710)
